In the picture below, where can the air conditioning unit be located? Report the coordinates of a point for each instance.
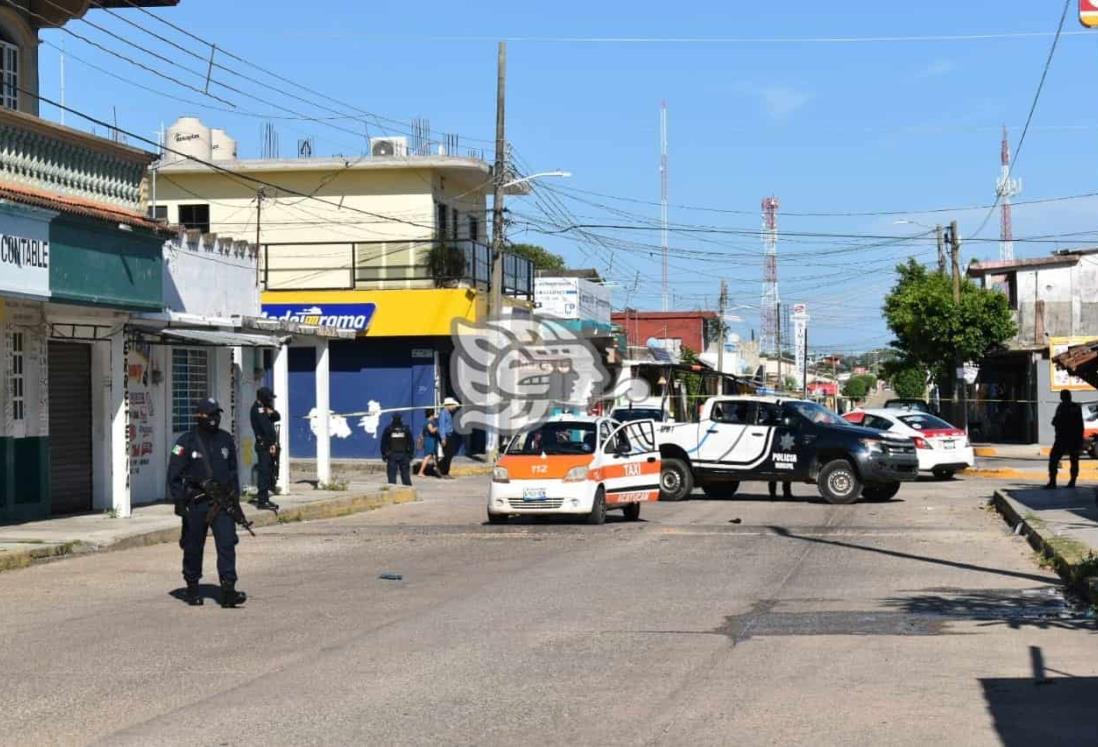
(389, 147)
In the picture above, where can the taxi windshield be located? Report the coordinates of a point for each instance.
(555, 438)
(814, 413)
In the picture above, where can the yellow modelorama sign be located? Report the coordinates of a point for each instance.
(386, 313)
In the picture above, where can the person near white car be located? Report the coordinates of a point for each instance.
(943, 449)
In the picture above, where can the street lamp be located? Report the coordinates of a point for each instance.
(540, 174)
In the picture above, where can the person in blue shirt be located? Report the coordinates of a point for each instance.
(450, 438)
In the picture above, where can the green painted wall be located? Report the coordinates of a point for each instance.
(24, 479)
(93, 262)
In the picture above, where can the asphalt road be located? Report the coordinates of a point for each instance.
(740, 621)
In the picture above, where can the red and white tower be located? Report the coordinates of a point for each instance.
(768, 340)
(1005, 189)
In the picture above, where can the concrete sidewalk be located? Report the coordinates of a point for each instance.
(1030, 469)
(1061, 524)
(23, 544)
(352, 469)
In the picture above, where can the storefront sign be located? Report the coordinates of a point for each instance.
(356, 316)
(24, 265)
(426, 312)
(572, 298)
(1088, 13)
(1059, 379)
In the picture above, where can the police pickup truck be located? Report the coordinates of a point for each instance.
(771, 438)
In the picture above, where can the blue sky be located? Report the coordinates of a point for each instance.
(826, 126)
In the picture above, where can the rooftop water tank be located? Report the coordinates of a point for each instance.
(222, 147)
(187, 138)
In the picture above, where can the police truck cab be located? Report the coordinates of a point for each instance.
(774, 438)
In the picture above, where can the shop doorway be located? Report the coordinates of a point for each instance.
(70, 428)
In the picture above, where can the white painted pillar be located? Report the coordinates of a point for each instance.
(323, 410)
(119, 410)
(282, 403)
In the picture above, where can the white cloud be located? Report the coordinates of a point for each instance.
(781, 101)
(937, 69)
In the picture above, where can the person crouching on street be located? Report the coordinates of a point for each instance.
(1068, 423)
(397, 450)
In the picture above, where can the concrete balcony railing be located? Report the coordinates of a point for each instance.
(42, 156)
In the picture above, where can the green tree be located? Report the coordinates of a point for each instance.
(691, 382)
(856, 387)
(931, 329)
(542, 258)
(910, 382)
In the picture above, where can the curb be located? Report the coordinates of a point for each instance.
(1087, 587)
(314, 511)
(1011, 473)
(991, 451)
(471, 470)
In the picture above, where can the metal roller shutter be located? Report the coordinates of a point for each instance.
(70, 428)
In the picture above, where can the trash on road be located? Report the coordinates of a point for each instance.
(391, 577)
(737, 520)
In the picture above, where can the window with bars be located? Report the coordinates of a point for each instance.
(18, 378)
(9, 75)
(190, 383)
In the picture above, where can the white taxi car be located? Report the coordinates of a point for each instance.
(577, 465)
(942, 448)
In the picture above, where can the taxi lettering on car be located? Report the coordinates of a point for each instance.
(578, 465)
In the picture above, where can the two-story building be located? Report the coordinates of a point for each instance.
(1055, 304)
(392, 245)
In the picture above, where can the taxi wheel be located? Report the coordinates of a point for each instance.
(676, 480)
(880, 493)
(497, 518)
(838, 482)
(943, 474)
(598, 509)
(632, 511)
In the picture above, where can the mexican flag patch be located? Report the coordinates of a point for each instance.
(177, 450)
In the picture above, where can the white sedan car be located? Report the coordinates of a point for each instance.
(942, 449)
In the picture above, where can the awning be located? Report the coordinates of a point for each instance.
(1081, 361)
(212, 337)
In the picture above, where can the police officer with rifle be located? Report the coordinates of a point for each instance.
(203, 482)
(264, 416)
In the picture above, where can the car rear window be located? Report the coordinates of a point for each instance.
(922, 422)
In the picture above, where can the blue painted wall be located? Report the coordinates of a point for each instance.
(361, 370)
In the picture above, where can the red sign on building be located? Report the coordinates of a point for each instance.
(1088, 13)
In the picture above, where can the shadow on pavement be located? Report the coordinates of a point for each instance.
(1043, 710)
(206, 591)
(783, 532)
(1044, 608)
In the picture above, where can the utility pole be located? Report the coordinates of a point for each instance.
(495, 299)
(960, 392)
(779, 345)
(259, 261)
(722, 306)
(804, 372)
(941, 250)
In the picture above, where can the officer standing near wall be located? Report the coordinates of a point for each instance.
(203, 453)
(397, 449)
(264, 416)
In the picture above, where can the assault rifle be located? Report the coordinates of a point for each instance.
(222, 499)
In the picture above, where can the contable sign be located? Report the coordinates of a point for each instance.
(1088, 13)
(24, 265)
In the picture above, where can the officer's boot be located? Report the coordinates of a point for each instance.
(230, 597)
(192, 595)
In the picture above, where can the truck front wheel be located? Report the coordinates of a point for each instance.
(676, 480)
(838, 482)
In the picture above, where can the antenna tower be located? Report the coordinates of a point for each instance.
(665, 286)
(770, 298)
(1005, 188)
